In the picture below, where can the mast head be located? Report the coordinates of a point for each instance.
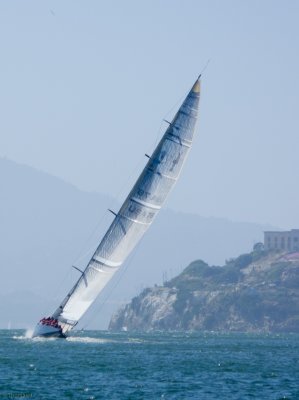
(196, 86)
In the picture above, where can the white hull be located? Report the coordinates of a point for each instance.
(42, 330)
(131, 222)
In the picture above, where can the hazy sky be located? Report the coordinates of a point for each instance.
(86, 84)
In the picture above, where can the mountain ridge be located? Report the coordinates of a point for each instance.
(46, 223)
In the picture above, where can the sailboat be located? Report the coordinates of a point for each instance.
(132, 220)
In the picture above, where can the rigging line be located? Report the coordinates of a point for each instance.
(119, 276)
(111, 289)
(139, 166)
(161, 131)
(115, 203)
(80, 254)
(68, 274)
(158, 137)
(124, 188)
(67, 277)
(116, 200)
(58, 289)
(205, 67)
(176, 106)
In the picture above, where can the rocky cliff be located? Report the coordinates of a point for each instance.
(258, 291)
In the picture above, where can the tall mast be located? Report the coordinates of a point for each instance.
(136, 213)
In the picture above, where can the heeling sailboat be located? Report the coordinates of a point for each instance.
(132, 221)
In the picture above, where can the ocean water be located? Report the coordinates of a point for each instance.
(103, 365)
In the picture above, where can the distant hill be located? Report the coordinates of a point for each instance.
(45, 223)
(255, 292)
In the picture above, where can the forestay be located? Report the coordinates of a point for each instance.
(137, 212)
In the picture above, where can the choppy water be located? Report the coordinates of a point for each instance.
(102, 365)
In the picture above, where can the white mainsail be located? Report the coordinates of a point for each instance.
(135, 215)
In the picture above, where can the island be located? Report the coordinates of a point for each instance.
(255, 292)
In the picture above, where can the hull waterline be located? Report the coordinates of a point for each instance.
(131, 222)
(47, 332)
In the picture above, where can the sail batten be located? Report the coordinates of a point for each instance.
(137, 212)
(106, 262)
(144, 203)
(136, 221)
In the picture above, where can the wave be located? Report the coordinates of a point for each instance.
(28, 336)
(79, 339)
(87, 339)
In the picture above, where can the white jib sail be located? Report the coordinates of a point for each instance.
(137, 212)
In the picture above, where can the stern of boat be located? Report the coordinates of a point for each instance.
(47, 328)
